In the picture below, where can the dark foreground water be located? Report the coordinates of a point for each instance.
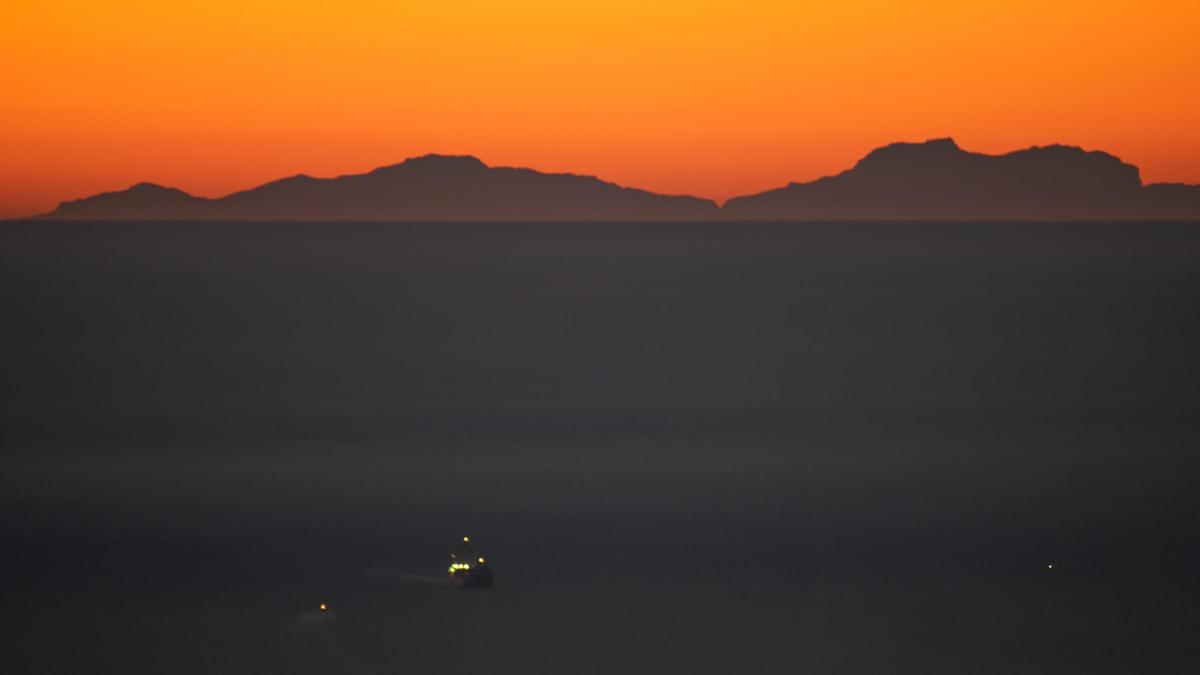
(717, 448)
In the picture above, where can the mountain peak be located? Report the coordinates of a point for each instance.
(435, 162)
(151, 188)
(934, 148)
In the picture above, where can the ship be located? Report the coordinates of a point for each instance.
(468, 568)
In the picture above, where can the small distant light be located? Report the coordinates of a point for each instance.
(324, 607)
(1050, 566)
(466, 540)
(481, 561)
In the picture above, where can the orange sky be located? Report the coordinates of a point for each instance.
(707, 98)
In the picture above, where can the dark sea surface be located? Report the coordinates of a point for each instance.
(685, 448)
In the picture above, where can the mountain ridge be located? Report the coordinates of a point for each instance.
(938, 180)
(931, 180)
(428, 187)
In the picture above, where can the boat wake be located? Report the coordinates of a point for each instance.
(394, 578)
(308, 645)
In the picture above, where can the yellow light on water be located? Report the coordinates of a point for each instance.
(324, 607)
(466, 540)
(481, 561)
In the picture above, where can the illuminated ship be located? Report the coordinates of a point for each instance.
(468, 568)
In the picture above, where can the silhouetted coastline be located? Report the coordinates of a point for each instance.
(934, 180)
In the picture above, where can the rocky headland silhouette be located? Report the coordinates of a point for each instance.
(937, 180)
(933, 180)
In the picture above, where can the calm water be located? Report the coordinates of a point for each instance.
(717, 448)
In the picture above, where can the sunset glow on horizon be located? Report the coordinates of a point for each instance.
(713, 99)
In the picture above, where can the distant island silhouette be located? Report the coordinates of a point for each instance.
(933, 180)
(937, 180)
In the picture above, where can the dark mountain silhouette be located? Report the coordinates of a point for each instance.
(144, 201)
(934, 180)
(1170, 201)
(433, 187)
(937, 180)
